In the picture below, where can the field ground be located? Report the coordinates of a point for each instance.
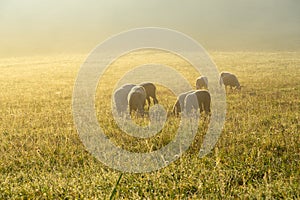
(257, 155)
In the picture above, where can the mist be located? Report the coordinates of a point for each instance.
(36, 27)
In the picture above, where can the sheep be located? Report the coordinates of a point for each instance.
(202, 82)
(179, 104)
(150, 92)
(137, 99)
(198, 99)
(204, 100)
(120, 97)
(229, 79)
(222, 74)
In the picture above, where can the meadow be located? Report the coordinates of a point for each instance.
(256, 157)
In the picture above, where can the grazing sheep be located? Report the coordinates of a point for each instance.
(150, 92)
(137, 99)
(198, 99)
(229, 79)
(202, 82)
(179, 104)
(204, 100)
(222, 75)
(120, 97)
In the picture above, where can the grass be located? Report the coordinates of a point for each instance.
(257, 155)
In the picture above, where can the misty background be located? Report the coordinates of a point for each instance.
(34, 27)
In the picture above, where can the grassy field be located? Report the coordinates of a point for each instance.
(257, 155)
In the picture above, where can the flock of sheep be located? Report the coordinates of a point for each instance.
(135, 96)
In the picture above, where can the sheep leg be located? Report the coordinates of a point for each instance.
(140, 110)
(149, 102)
(201, 107)
(207, 108)
(155, 101)
(226, 89)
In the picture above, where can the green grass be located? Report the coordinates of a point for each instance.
(257, 155)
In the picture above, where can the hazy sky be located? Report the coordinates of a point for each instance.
(71, 26)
